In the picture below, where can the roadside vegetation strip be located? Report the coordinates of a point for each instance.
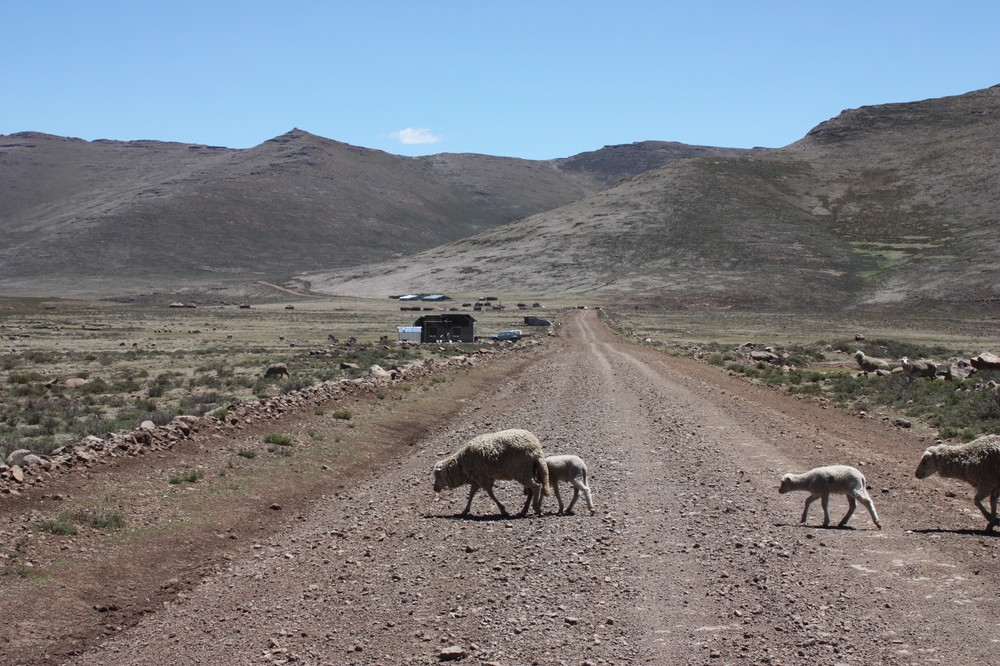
(159, 538)
(959, 408)
(14, 478)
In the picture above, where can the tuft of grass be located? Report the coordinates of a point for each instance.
(246, 453)
(57, 527)
(190, 476)
(342, 414)
(108, 521)
(279, 439)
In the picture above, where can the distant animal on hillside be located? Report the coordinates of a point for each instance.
(277, 370)
(822, 481)
(509, 454)
(916, 369)
(870, 363)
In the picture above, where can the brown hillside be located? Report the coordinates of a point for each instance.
(111, 217)
(883, 205)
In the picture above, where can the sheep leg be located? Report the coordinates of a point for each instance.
(825, 500)
(473, 489)
(538, 492)
(866, 499)
(555, 487)
(576, 494)
(588, 498)
(529, 496)
(805, 511)
(990, 517)
(852, 504)
(993, 505)
(489, 491)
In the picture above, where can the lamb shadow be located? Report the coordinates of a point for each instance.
(813, 527)
(478, 519)
(965, 531)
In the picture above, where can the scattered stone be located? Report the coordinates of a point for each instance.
(452, 653)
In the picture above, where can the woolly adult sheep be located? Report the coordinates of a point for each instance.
(917, 369)
(573, 471)
(837, 479)
(505, 455)
(870, 363)
(977, 463)
(277, 370)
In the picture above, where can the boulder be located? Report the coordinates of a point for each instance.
(959, 368)
(17, 457)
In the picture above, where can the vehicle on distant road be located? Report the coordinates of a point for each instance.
(507, 335)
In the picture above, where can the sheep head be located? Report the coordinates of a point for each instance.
(928, 462)
(786, 482)
(439, 483)
(448, 475)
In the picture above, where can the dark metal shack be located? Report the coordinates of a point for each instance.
(447, 327)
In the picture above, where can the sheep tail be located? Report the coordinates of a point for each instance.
(542, 476)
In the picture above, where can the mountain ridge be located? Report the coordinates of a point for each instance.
(106, 215)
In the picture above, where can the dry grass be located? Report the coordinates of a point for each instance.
(153, 362)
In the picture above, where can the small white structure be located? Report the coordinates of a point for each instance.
(408, 333)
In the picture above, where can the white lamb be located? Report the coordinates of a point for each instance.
(837, 479)
(870, 363)
(573, 471)
(508, 454)
(977, 463)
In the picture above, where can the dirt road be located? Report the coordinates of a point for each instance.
(693, 556)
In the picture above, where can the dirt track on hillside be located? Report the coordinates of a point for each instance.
(693, 557)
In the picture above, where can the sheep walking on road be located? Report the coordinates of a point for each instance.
(573, 471)
(505, 455)
(977, 463)
(832, 479)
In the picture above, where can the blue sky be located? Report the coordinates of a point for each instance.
(538, 80)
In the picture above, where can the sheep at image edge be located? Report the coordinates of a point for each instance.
(832, 479)
(977, 463)
(505, 455)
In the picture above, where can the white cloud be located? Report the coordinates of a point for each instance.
(415, 135)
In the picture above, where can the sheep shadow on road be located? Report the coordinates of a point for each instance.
(965, 531)
(828, 528)
(483, 518)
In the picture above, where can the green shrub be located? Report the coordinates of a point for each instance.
(246, 453)
(280, 440)
(109, 521)
(190, 476)
(58, 527)
(342, 414)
